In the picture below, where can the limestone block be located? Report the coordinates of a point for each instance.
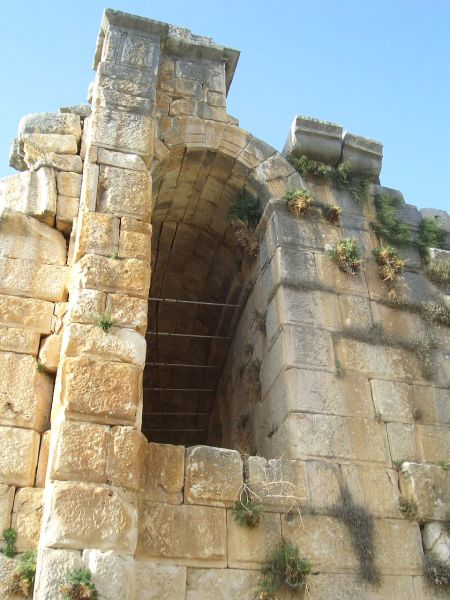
(331, 276)
(402, 442)
(65, 162)
(184, 534)
(85, 515)
(7, 567)
(26, 238)
(52, 569)
(160, 582)
(249, 547)
(442, 217)
(127, 311)
(340, 438)
(85, 306)
(364, 155)
(27, 517)
(216, 99)
(112, 573)
(68, 184)
(82, 110)
(41, 471)
(26, 393)
(125, 192)
(126, 132)
(22, 341)
(66, 212)
(49, 352)
(433, 404)
(48, 142)
(35, 315)
(18, 455)
(32, 193)
(130, 276)
(399, 547)
(89, 187)
(6, 505)
(117, 344)
(126, 457)
(392, 400)
(213, 476)
(429, 487)
(283, 269)
(424, 591)
(28, 278)
(324, 485)
(66, 124)
(281, 484)
(108, 392)
(163, 474)
(434, 443)
(221, 584)
(319, 140)
(121, 160)
(348, 587)
(381, 361)
(355, 312)
(15, 156)
(436, 540)
(374, 488)
(80, 452)
(325, 541)
(398, 323)
(135, 245)
(59, 318)
(97, 234)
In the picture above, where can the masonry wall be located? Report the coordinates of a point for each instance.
(308, 382)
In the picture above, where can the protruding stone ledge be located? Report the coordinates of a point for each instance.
(319, 140)
(363, 155)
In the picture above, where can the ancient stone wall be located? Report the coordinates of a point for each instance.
(338, 380)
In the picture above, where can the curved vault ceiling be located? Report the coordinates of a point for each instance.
(194, 258)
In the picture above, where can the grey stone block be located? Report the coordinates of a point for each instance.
(364, 155)
(320, 140)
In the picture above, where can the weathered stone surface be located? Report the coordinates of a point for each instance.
(26, 393)
(66, 211)
(49, 352)
(16, 160)
(41, 471)
(429, 487)
(399, 547)
(65, 162)
(374, 488)
(392, 400)
(383, 361)
(281, 484)
(213, 476)
(27, 517)
(32, 193)
(127, 311)
(59, 318)
(221, 584)
(26, 238)
(188, 535)
(249, 547)
(66, 124)
(18, 456)
(324, 485)
(135, 245)
(85, 306)
(348, 587)
(121, 160)
(160, 582)
(7, 567)
(342, 438)
(113, 574)
(68, 184)
(102, 391)
(402, 442)
(28, 278)
(126, 457)
(436, 540)
(35, 315)
(117, 344)
(48, 142)
(122, 131)
(85, 515)
(97, 234)
(319, 140)
(355, 312)
(331, 276)
(129, 276)
(434, 443)
(125, 192)
(6, 505)
(163, 473)
(283, 269)
(23, 341)
(432, 404)
(424, 591)
(397, 323)
(363, 155)
(53, 567)
(81, 452)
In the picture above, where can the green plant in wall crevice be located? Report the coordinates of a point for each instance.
(390, 265)
(389, 227)
(79, 586)
(357, 187)
(244, 216)
(22, 578)
(9, 536)
(307, 167)
(298, 200)
(104, 321)
(346, 255)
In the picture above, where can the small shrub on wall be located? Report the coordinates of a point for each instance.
(297, 201)
(244, 216)
(286, 570)
(22, 578)
(390, 265)
(347, 256)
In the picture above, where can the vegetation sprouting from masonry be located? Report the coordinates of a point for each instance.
(104, 321)
(9, 537)
(346, 255)
(79, 586)
(244, 216)
(360, 525)
(285, 570)
(390, 265)
(298, 200)
(247, 509)
(437, 572)
(21, 581)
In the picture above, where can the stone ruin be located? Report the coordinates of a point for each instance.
(152, 369)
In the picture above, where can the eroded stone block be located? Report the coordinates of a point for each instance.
(319, 140)
(392, 400)
(127, 311)
(62, 123)
(86, 306)
(363, 155)
(125, 192)
(126, 457)
(402, 442)
(163, 473)
(113, 574)
(249, 547)
(35, 315)
(160, 582)
(97, 234)
(27, 517)
(53, 567)
(29, 278)
(48, 142)
(32, 193)
(429, 487)
(434, 443)
(126, 132)
(6, 505)
(41, 471)
(221, 584)
(49, 352)
(18, 456)
(23, 341)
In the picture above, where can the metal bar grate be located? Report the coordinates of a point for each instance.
(189, 335)
(177, 301)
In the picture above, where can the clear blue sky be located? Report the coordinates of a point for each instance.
(380, 68)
